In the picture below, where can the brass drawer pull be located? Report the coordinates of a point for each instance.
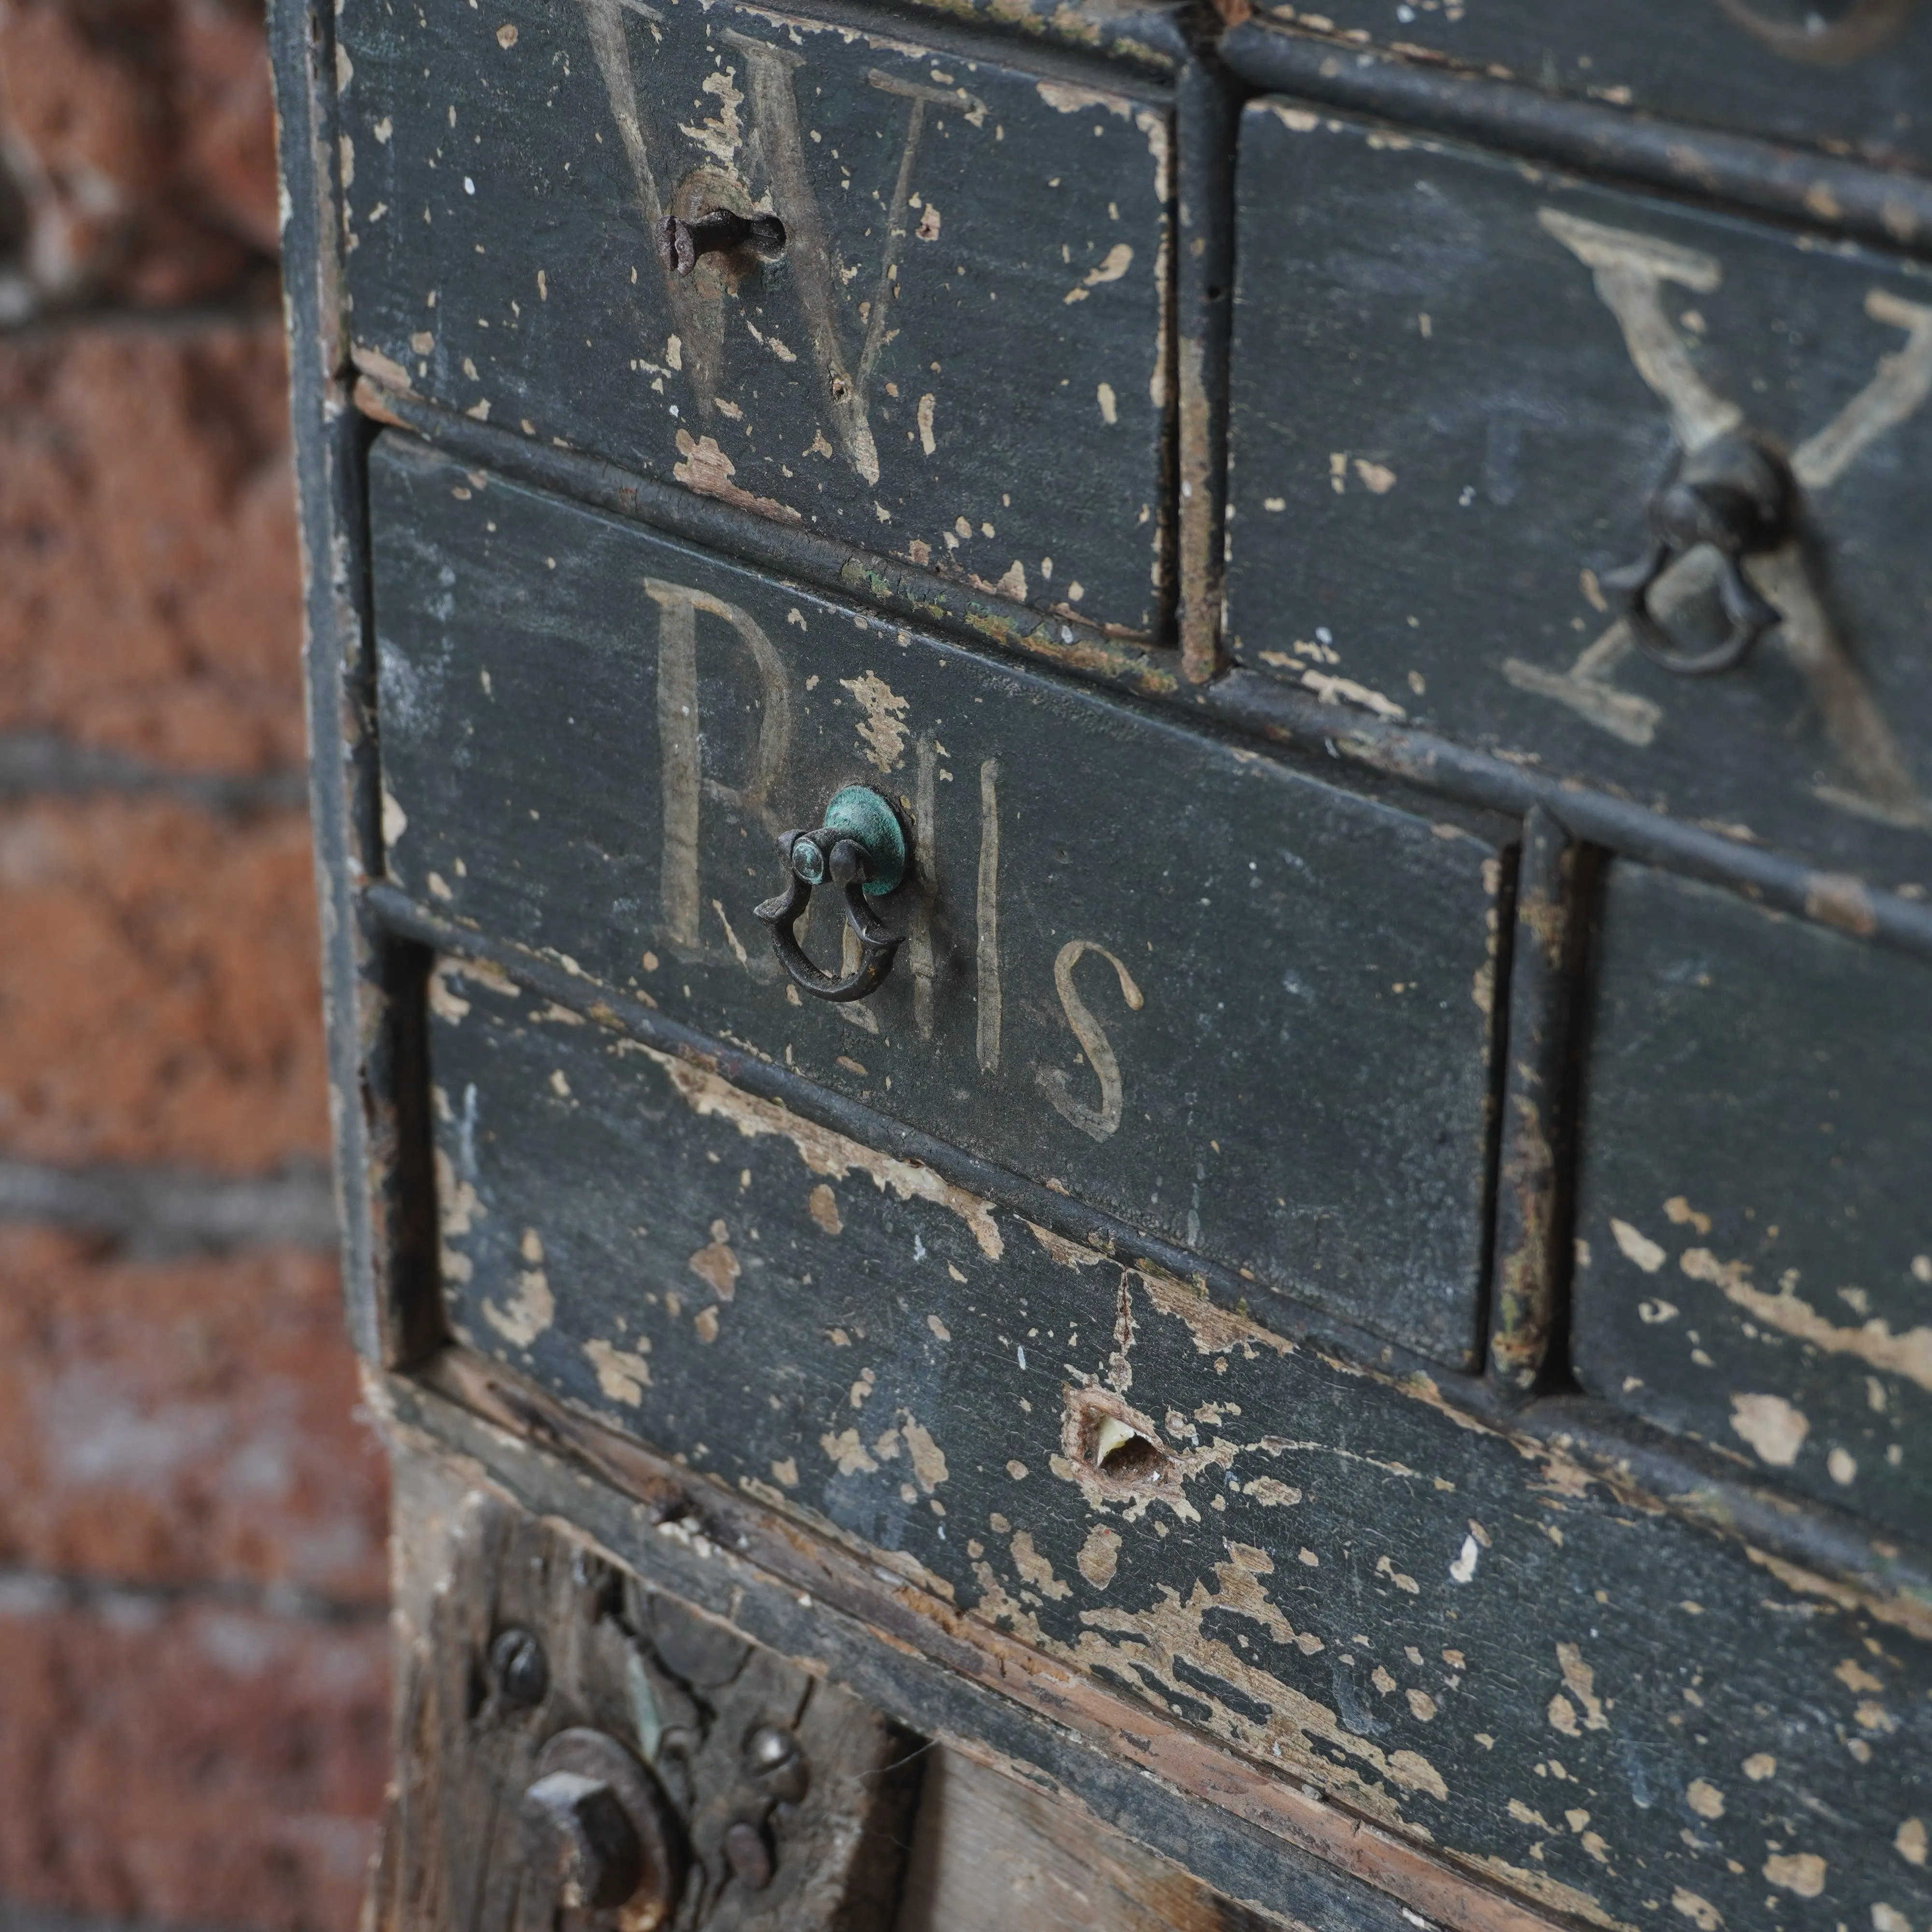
(1739, 498)
(861, 848)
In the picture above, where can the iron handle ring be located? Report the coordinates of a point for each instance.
(860, 850)
(1735, 496)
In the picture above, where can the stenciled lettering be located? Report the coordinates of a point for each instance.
(1103, 1122)
(684, 783)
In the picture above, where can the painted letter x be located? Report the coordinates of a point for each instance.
(1630, 271)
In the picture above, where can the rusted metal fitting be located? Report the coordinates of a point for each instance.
(599, 1833)
(772, 1757)
(521, 1670)
(719, 232)
(749, 1853)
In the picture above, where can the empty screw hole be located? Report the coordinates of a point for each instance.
(1122, 1452)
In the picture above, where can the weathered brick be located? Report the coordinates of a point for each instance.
(139, 144)
(158, 996)
(181, 1422)
(225, 108)
(193, 1763)
(149, 590)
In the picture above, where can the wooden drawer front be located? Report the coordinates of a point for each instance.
(1332, 1573)
(1841, 73)
(1756, 1193)
(1204, 993)
(960, 358)
(1457, 383)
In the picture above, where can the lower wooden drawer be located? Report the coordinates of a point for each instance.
(1755, 1207)
(1463, 1635)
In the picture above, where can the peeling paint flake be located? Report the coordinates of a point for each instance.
(706, 470)
(716, 1264)
(1346, 690)
(823, 1152)
(1635, 1246)
(1066, 99)
(848, 1453)
(1770, 1424)
(882, 728)
(623, 1374)
(1909, 1353)
(1118, 260)
(529, 1312)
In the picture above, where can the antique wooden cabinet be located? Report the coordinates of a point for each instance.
(1124, 816)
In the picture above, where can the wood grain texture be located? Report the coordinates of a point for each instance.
(1458, 380)
(994, 1855)
(1845, 74)
(1167, 976)
(963, 358)
(681, 1691)
(1327, 1572)
(1753, 1203)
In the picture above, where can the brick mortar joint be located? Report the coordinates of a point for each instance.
(45, 765)
(18, 1918)
(51, 326)
(42, 1592)
(155, 1212)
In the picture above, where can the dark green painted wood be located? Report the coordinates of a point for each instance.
(1726, 169)
(1007, 424)
(1291, 983)
(1152, 32)
(1749, 64)
(385, 1231)
(1756, 1193)
(1462, 1634)
(1441, 495)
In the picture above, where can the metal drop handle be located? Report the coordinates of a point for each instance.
(861, 850)
(1736, 496)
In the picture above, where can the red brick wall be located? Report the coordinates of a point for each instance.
(193, 1693)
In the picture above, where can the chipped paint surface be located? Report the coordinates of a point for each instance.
(1753, 1223)
(823, 1151)
(1452, 1633)
(882, 726)
(847, 388)
(1041, 1016)
(1682, 319)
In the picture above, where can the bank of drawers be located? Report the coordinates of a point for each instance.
(1247, 1007)
(1311, 1560)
